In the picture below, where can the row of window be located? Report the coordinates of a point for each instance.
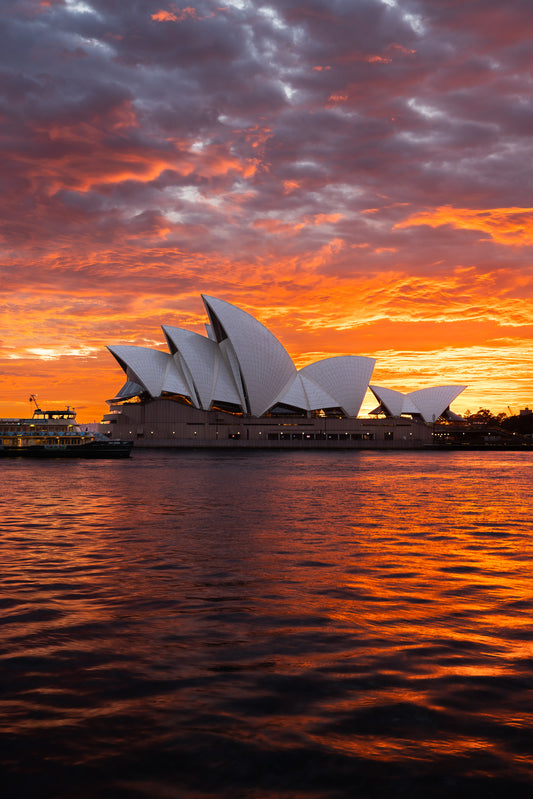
(321, 436)
(317, 436)
(23, 441)
(35, 429)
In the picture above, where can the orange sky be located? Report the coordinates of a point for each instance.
(356, 177)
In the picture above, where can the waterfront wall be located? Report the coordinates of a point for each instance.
(165, 423)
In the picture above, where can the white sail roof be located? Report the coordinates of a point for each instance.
(152, 369)
(129, 389)
(391, 401)
(241, 363)
(430, 402)
(345, 378)
(203, 366)
(225, 389)
(174, 381)
(197, 356)
(265, 367)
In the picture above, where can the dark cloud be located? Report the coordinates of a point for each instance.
(374, 95)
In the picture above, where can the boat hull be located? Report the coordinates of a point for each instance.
(93, 449)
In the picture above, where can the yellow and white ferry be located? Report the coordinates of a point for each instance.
(56, 433)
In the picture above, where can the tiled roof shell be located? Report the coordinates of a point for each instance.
(429, 402)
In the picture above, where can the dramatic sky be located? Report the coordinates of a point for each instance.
(357, 174)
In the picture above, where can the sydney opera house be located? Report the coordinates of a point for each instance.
(237, 386)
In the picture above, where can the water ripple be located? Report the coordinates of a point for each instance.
(268, 626)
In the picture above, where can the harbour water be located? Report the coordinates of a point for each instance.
(272, 625)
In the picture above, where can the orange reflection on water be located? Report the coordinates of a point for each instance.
(374, 606)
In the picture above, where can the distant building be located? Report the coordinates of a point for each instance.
(525, 411)
(238, 384)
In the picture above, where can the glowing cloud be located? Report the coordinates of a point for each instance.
(510, 226)
(176, 15)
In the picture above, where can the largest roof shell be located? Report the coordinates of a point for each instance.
(265, 367)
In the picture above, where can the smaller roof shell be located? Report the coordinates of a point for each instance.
(199, 355)
(345, 378)
(152, 369)
(430, 402)
(129, 389)
(391, 400)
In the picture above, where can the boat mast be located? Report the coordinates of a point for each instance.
(33, 399)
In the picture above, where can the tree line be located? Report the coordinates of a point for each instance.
(522, 423)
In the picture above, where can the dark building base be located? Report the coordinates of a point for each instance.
(170, 424)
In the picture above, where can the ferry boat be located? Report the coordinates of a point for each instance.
(53, 434)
